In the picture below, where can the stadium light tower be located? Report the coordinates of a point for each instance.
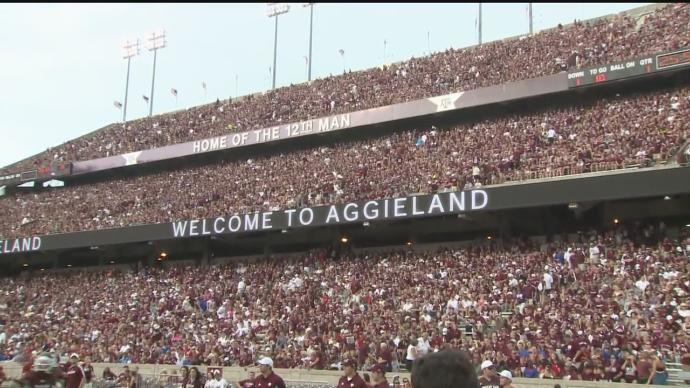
(156, 42)
(530, 19)
(311, 30)
(274, 10)
(129, 50)
(479, 23)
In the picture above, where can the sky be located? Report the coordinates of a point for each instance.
(61, 65)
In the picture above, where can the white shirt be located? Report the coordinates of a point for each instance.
(551, 133)
(548, 281)
(410, 354)
(222, 383)
(566, 256)
(594, 253)
(423, 347)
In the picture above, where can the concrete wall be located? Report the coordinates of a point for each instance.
(235, 374)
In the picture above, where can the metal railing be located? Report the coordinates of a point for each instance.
(676, 374)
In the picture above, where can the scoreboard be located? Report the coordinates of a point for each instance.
(631, 68)
(55, 170)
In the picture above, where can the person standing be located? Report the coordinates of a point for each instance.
(412, 353)
(43, 373)
(489, 377)
(267, 378)
(88, 372)
(351, 379)
(659, 374)
(378, 373)
(644, 368)
(74, 377)
(248, 382)
(195, 378)
(506, 379)
(423, 345)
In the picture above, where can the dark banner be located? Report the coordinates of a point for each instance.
(630, 68)
(455, 101)
(601, 187)
(55, 170)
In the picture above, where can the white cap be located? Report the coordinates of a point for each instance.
(487, 364)
(506, 374)
(266, 361)
(74, 355)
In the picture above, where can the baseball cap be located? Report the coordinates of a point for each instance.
(487, 364)
(506, 374)
(378, 368)
(74, 355)
(350, 362)
(216, 372)
(266, 361)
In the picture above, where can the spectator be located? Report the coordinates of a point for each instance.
(108, 375)
(379, 376)
(268, 378)
(248, 382)
(74, 375)
(412, 352)
(506, 379)
(659, 374)
(195, 379)
(489, 377)
(351, 378)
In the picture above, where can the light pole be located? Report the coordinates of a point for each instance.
(384, 51)
(342, 54)
(311, 30)
(156, 41)
(129, 50)
(479, 23)
(428, 42)
(274, 10)
(530, 19)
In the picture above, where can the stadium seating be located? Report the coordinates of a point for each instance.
(612, 292)
(636, 129)
(547, 52)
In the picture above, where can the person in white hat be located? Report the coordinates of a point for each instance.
(74, 376)
(506, 379)
(488, 376)
(267, 378)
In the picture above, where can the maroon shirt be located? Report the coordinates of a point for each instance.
(383, 384)
(355, 382)
(386, 355)
(74, 376)
(273, 381)
(40, 380)
(246, 383)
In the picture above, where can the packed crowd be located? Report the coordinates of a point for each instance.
(631, 129)
(580, 44)
(587, 308)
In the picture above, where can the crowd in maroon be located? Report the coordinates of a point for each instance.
(580, 44)
(613, 294)
(633, 129)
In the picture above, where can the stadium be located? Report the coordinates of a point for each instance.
(534, 215)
